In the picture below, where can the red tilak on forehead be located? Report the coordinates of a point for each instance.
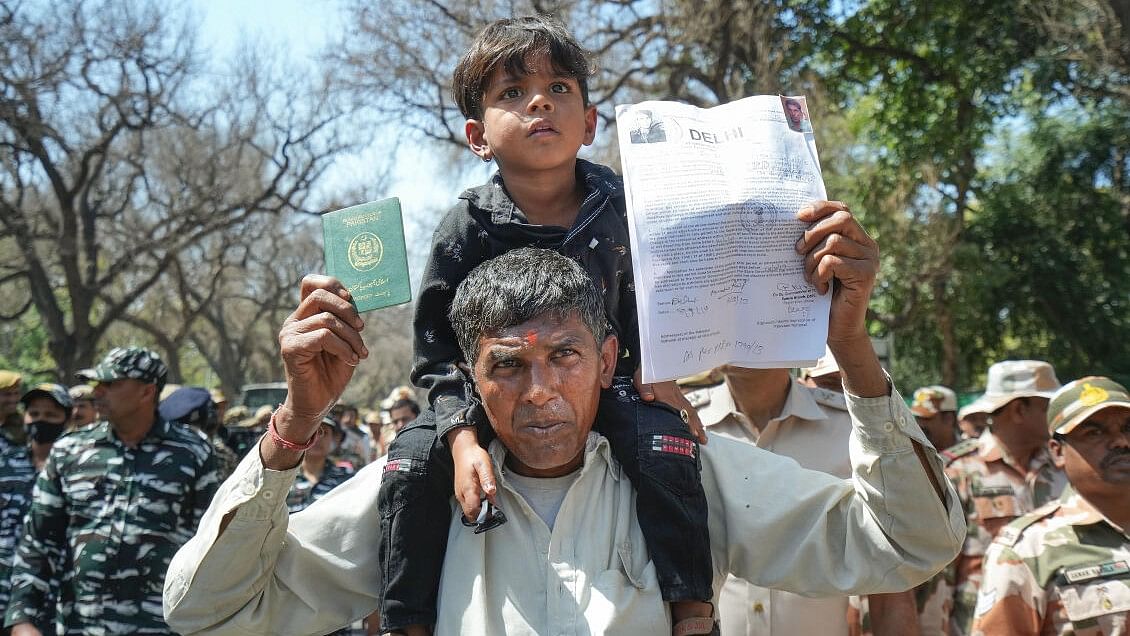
(531, 337)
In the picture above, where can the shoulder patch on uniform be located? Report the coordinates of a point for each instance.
(830, 399)
(960, 449)
(1009, 535)
(986, 598)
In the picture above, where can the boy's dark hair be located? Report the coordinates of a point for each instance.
(519, 286)
(512, 43)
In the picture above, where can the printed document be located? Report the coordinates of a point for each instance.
(712, 199)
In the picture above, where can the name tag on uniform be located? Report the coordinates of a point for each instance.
(1110, 568)
(992, 491)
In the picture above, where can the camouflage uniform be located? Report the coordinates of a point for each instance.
(303, 492)
(226, 459)
(17, 476)
(120, 513)
(993, 492)
(1063, 569)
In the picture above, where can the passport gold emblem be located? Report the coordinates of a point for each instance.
(365, 251)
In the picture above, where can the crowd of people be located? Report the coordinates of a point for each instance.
(545, 488)
(101, 483)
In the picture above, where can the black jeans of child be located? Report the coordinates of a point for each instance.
(649, 440)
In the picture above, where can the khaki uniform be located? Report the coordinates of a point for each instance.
(994, 491)
(1064, 569)
(813, 428)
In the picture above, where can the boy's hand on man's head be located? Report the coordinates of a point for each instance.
(670, 394)
(474, 474)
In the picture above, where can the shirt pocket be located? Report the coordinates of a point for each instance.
(1099, 606)
(626, 598)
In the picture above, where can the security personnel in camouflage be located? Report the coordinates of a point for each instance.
(120, 497)
(317, 474)
(1065, 568)
(1005, 473)
(47, 407)
(11, 424)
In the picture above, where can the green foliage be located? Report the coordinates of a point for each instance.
(24, 348)
(1053, 234)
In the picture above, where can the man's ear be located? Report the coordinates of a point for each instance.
(1057, 448)
(590, 125)
(477, 140)
(609, 350)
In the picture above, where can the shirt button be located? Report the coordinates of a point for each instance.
(758, 608)
(889, 426)
(248, 488)
(268, 494)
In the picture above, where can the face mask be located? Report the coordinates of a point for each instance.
(44, 432)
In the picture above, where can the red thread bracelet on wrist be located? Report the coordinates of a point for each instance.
(273, 431)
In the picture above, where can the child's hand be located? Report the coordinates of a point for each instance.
(669, 393)
(474, 475)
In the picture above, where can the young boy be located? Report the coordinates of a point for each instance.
(523, 89)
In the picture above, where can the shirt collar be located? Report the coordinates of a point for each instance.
(990, 449)
(799, 403)
(493, 197)
(103, 432)
(597, 451)
(1079, 512)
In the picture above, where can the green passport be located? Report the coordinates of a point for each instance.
(364, 248)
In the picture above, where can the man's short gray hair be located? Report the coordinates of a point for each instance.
(519, 286)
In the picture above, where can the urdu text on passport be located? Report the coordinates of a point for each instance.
(364, 249)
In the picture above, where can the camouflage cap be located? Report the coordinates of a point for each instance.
(81, 392)
(133, 363)
(57, 393)
(930, 400)
(1078, 400)
(1014, 379)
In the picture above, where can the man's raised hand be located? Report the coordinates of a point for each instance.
(321, 346)
(838, 253)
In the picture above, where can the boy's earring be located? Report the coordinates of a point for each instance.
(486, 159)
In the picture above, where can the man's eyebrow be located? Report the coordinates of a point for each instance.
(568, 341)
(499, 354)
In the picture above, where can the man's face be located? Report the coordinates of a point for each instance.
(83, 413)
(972, 424)
(401, 417)
(326, 444)
(643, 119)
(43, 409)
(1034, 411)
(120, 400)
(938, 428)
(9, 401)
(796, 114)
(532, 123)
(348, 418)
(1096, 454)
(540, 384)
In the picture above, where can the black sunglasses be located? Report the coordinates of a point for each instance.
(490, 517)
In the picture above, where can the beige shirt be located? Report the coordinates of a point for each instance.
(770, 521)
(813, 428)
